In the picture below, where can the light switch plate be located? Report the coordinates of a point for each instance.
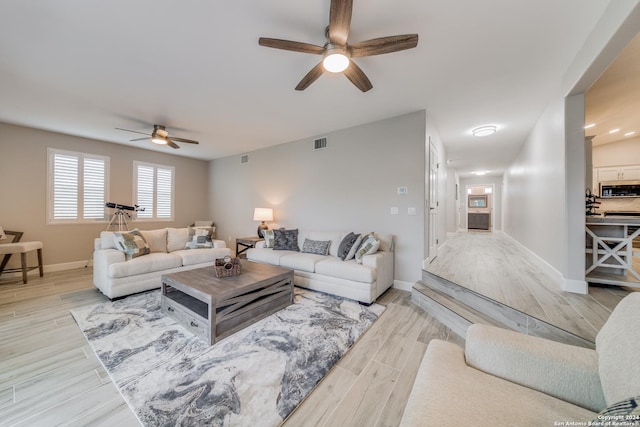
(411, 211)
(394, 211)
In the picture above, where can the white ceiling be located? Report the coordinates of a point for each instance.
(613, 101)
(84, 68)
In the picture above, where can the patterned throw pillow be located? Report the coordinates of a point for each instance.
(285, 240)
(318, 247)
(268, 238)
(131, 243)
(354, 247)
(368, 246)
(626, 412)
(346, 245)
(200, 237)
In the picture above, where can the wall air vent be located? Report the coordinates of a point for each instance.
(244, 158)
(320, 143)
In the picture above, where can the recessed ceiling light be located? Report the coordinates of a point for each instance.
(590, 126)
(484, 130)
(630, 133)
(480, 173)
(614, 130)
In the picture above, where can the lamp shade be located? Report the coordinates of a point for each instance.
(263, 214)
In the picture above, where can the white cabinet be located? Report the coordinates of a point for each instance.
(619, 173)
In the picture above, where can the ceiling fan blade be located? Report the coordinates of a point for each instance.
(384, 45)
(290, 45)
(134, 131)
(340, 21)
(139, 139)
(311, 77)
(172, 144)
(357, 77)
(189, 141)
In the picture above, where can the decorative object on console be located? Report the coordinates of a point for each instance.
(285, 240)
(132, 243)
(317, 247)
(169, 376)
(591, 203)
(262, 215)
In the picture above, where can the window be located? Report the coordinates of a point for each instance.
(77, 187)
(153, 191)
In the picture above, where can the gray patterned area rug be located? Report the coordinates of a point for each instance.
(255, 377)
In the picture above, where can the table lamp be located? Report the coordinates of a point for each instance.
(262, 215)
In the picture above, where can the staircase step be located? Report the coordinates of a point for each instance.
(455, 315)
(504, 315)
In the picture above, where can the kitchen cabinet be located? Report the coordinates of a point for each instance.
(618, 173)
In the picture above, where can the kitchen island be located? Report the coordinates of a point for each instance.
(610, 253)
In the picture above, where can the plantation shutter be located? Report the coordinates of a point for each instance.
(65, 186)
(154, 191)
(94, 191)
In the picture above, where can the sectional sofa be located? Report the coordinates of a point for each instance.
(170, 250)
(364, 281)
(505, 378)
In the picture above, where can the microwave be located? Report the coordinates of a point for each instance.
(617, 189)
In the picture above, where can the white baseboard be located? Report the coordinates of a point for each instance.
(402, 285)
(575, 286)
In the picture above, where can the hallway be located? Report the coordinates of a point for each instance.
(494, 265)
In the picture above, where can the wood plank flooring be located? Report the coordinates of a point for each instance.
(49, 376)
(491, 264)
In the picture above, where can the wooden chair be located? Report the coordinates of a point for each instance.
(22, 248)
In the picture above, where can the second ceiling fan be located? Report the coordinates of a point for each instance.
(337, 53)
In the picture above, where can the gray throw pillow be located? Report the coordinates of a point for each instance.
(318, 247)
(346, 244)
(354, 247)
(285, 240)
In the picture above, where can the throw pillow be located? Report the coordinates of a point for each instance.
(368, 246)
(346, 244)
(318, 247)
(627, 411)
(268, 238)
(156, 239)
(285, 240)
(131, 243)
(200, 237)
(354, 247)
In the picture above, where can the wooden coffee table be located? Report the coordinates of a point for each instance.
(213, 308)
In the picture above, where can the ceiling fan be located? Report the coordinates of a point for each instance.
(337, 53)
(160, 136)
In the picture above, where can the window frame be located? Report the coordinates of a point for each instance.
(142, 215)
(81, 191)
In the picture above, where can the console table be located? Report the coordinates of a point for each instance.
(610, 251)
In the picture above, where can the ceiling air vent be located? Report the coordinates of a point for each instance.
(320, 143)
(244, 158)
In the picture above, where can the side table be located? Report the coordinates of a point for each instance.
(243, 244)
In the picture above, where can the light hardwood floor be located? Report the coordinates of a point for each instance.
(491, 264)
(49, 376)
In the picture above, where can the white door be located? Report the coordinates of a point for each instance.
(433, 202)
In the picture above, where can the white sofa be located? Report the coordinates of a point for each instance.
(115, 276)
(328, 273)
(505, 378)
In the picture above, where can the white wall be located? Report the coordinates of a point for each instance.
(350, 186)
(620, 153)
(535, 190)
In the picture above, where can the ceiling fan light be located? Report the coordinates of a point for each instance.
(335, 61)
(157, 139)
